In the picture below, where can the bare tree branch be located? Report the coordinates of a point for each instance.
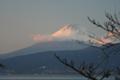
(89, 71)
(93, 71)
(112, 25)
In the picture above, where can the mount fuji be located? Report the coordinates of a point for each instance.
(68, 42)
(66, 32)
(68, 37)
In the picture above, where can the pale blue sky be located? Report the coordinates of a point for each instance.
(19, 19)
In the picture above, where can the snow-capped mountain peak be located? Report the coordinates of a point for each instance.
(66, 31)
(71, 32)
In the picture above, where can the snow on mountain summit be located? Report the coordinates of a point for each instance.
(66, 31)
(72, 32)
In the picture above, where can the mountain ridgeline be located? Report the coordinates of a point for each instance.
(44, 62)
(69, 43)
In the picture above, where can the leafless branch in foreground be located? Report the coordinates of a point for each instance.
(90, 71)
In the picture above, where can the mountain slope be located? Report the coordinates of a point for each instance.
(46, 63)
(48, 46)
(68, 42)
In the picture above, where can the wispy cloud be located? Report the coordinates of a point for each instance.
(41, 38)
(69, 32)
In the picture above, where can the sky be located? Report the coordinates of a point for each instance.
(20, 19)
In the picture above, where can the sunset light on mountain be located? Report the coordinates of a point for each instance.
(60, 39)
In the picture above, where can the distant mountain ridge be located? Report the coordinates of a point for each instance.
(46, 63)
(68, 42)
(48, 46)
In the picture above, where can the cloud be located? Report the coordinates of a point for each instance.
(41, 38)
(67, 32)
(70, 32)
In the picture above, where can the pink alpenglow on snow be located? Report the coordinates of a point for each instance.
(70, 32)
(41, 38)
